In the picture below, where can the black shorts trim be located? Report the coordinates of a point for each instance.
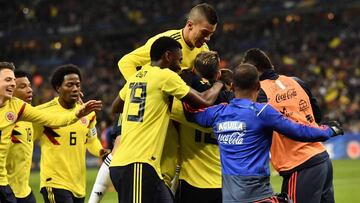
(28, 199)
(187, 193)
(139, 183)
(56, 195)
(6, 194)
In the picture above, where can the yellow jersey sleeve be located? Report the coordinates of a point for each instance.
(93, 144)
(139, 57)
(34, 115)
(38, 129)
(177, 114)
(122, 92)
(174, 85)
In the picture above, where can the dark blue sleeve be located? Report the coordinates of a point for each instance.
(275, 120)
(205, 117)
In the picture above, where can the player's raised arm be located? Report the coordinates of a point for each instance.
(297, 131)
(129, 63)
(32, 114)
(207, 98)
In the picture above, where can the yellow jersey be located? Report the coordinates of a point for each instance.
(199, 152)
(15, 110)
(146, 115)
(141, 56)
(19, 159)
(170, 154)
(63, 150)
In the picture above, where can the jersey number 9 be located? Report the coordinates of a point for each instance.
(138, 98)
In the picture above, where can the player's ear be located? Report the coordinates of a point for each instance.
(167, 56)
(190, 24)
(57, 89)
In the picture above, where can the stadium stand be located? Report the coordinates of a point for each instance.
(316, 41)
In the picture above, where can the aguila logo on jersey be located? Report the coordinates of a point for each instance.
(84, 121)
(231, 132)
(285, 96)
(10, 116)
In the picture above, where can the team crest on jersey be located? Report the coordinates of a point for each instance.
(10, 116)
(84, 121)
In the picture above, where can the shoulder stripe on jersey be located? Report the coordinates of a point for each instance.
(176, 34)
(176, 38)
(21, 111)
(262, 109)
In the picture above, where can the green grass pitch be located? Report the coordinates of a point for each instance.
(346, 182)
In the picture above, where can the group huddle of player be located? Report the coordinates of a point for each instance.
(190, 131)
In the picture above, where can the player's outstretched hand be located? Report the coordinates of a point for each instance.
(335, 126)
(88, 107)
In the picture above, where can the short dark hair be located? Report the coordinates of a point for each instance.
(258, 58)
(20, 74)
(7, 65)
(207, 11)
(207, 64)
(245, 77)
(162, 45)
(58, 77)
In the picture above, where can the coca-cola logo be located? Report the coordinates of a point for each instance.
(285, 96)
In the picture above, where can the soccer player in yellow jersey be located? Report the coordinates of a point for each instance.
(200, 174)
(19, 160)
(63, 150)
(200, 26)
(135, 168)
(13, 110)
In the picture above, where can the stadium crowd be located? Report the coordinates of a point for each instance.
(315, 42)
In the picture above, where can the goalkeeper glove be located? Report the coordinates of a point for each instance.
(335, 127)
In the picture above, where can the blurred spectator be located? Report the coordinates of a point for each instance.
(316, 40)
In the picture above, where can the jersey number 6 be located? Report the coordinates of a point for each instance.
(72, 138)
